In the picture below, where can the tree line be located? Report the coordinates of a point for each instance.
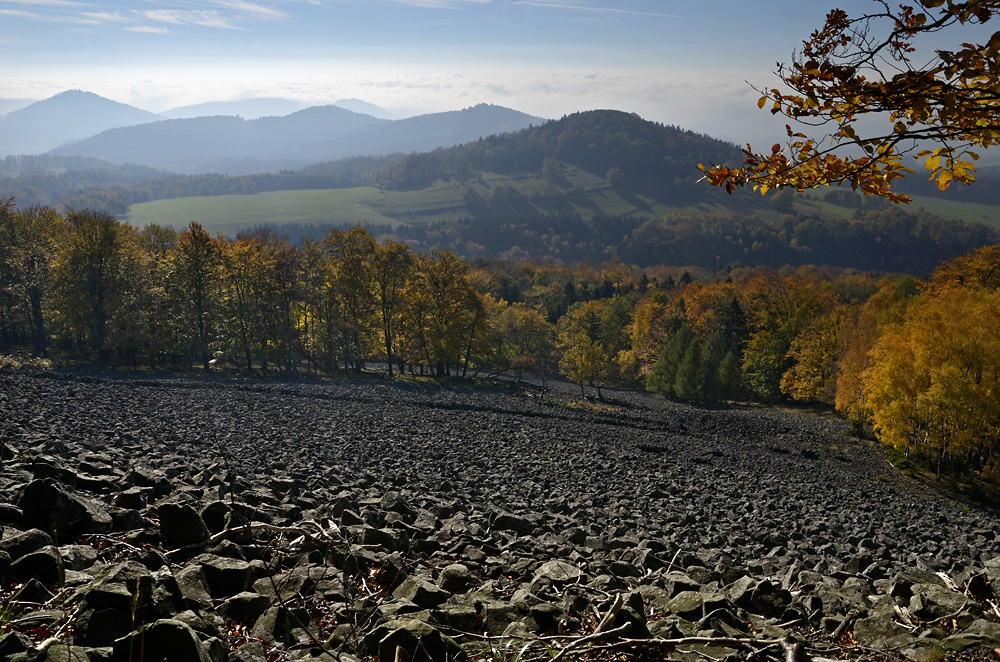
(916, 361)
(872, 239)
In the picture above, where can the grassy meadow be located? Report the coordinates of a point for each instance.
(585, 194)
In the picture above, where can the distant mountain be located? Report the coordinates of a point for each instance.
(365, 108)
(68, 116)
(10, 105)
(231, 145)
(248, 109)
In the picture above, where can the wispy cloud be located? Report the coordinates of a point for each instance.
(586, 8)
(19, 13)
(149, 29)
(44, 3)
(441, 4)
(244, 8)
(223, 14)
(205, 18)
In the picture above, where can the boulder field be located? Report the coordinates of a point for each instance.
(218, 519)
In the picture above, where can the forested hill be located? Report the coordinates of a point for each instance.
(633, 153)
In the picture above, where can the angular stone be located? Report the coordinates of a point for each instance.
(101, 627)
(455, 578)
(519, 525)
(881, 633)
(44, 564)
(244, 607)
(274, 626)
(62, 512)
(167, 640)
(559, 572)
(421, 593)
(192, 585)
(420, 641)
(125, 586)
(181, 525)
(930, 601)
(13, 643)
(225, 577)
(25, 542)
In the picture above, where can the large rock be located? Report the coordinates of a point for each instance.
(25, 542)
(61, 511)
(44, 564)
(559, 572)
(420, 641)
(167, 640)
(181, 524)
(421, 593)
(225, 576)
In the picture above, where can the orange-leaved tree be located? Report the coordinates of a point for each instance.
(938, 106)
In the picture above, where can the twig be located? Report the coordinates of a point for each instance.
(609, 618)
(246, 528)
(596, 636)
(848, 621)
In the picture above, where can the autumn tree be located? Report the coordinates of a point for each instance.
(193, 277)
(91, 278)
(931, 389)
(523, 340)
(815, 354)
(582, 361)
(29, 240)
(874, 68)
(246, 288)
(862, 331)
(350, 256)
(444, 314)
(778, 307)
(392, 267)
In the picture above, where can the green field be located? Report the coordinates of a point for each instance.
(586, 194)
(967, 212)
(580, 193)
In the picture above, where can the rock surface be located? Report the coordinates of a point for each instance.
(229, 520)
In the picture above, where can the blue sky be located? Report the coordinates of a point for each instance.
(683, 63)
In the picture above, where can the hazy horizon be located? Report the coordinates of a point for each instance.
(685, 64)
(678, 63)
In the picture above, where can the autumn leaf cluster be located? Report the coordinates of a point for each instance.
(939, 108)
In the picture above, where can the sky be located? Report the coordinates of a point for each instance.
(689, 64)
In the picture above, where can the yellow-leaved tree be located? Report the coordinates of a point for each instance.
(934, 380)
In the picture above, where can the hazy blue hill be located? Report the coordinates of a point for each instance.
(245, 108)
(235, 146)
(359, 106)
(208, 144)
(423, 133)
(10, 105)
(67, 116)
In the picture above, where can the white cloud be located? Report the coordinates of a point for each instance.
(586, 8)
(441, 4)
(19, 13)
(149, 29)
(44, 3)
(251, 9)
(204, 18)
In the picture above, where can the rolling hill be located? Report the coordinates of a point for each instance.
(231, 145)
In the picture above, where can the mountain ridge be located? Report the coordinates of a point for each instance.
(64, 117)
(235, 146)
